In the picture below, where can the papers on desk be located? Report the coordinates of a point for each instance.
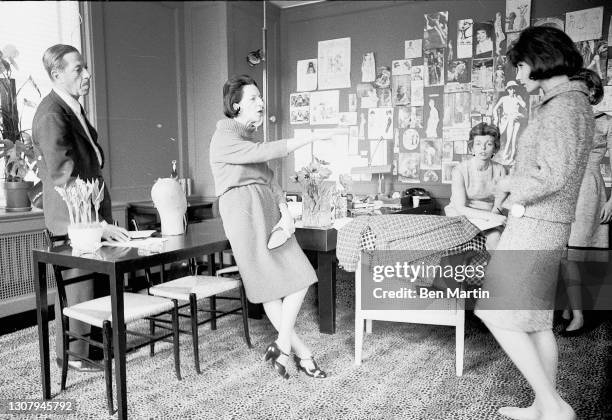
(149, 244)
(483, 224)
(140, 234)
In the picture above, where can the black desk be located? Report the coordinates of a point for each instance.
(204, 238)
(147, 217)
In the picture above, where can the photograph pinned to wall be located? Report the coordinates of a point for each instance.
(324, 107)
(483, 46)
(461, 147)
(347, 118)
(352, 102)
(511, 39)
(353, 145)
(465, 31)
(459, 71)
(518, 13)
(416, 118)
(510, 116)
(595, 56)
(384, 97)
(367, 93)
(482, 73)
(434, 65)
(447, 171)
(408, 167)
(379, 152)
(368, 67)
(413, 48)
(307, 75)
(299, 100)
(456, 116)
(363, 120)
(585, 24)
(435, 32)
(403, 117)
(447, 150)
(334, 61)
(399, 67)
(500, 37)
(333, 151)
(410, 140)
(299, 108)
(401, 89)
(380, 123)
(430, 175)
(299, 115)
(431, 153)
(433, 112)
(416, 92)
(482, 103)
(302, 156)
(551, 22)
(383, 77)
(499, 74)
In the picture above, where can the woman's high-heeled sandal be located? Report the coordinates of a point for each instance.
(313, 373)
(273, 353)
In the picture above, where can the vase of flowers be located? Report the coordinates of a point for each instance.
(83, 199)
(317, 194)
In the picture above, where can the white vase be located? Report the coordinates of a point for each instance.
(85, 236)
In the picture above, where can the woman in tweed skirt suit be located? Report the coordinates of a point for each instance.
(593, 210)
(252, 205)
(542, 192)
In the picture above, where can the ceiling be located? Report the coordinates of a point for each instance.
(286, 4)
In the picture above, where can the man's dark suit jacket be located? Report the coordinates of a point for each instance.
(66, 153)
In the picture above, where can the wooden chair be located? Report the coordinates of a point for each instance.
(448, 311)
(191, 289)
(97, 312)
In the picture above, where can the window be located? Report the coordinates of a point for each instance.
(32, 27)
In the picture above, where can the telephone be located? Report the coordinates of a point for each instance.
(416, 192)
(407, 195)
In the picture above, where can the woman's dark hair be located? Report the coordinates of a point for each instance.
(548, 51)
(593, 83)
(232, 93)
(484, 129)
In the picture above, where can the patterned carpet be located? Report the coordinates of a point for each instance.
(407, 373)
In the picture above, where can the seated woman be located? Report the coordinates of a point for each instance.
(473, 181)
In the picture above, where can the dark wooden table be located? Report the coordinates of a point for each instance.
(147, 217)
(201, 239)
(322, 243)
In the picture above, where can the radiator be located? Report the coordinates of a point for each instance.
(16, 271)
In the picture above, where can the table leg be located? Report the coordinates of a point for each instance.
(326, 272)
(118, 324)
(42, 315)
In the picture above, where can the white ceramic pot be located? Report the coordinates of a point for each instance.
(85, 236)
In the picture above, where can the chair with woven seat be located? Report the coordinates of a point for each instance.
(191, 289)
(98, 313)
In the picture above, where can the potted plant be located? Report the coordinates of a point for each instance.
(16, 147)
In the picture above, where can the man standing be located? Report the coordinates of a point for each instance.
(69, 148)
